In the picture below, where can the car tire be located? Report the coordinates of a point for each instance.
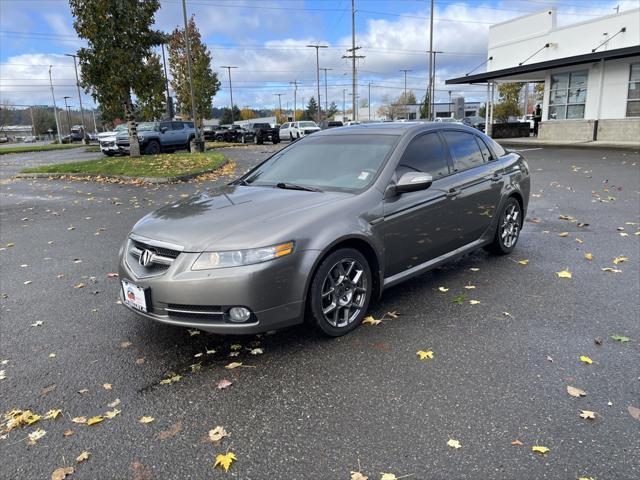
(290, 136)
(219, 138)
(108, 154)
(342, 281)
(298, 135)
(508, 229)
(152, 148)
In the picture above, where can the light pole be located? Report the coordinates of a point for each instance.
(406, 114)
(75, 67)
(318, 47)
(166, 86)
(449, 102)
(344, 103)
(432, 86)
(230, 91)
(66, 107)
(326, 95)
(199, 144)
(55, 109)
(370, 100)
(279, 95)
(295, 97)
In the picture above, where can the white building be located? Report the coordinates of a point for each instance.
(591, 72)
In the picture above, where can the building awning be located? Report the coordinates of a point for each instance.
(537, 67)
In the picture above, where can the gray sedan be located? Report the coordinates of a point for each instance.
(323, 226)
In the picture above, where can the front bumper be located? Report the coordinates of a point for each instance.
(274, 291)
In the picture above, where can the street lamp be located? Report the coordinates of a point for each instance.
(318, 47)
(370, 83)
(326, 95)
(230, 90)
(406, 113)
(66, 107)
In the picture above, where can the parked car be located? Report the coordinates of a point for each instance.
(233, 133)
(446, 120)
(294, 130)
(475, 122)
(30, 139)
(107, 140)
(156, 137)
(4, 139)
(76, 135)
(323, 227)
(324, 124)
(262, 132)
(528, 119)
(209, 132)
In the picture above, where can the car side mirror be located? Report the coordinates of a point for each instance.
(163, 129)
(413, 181)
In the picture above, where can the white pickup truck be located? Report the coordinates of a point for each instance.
(107, 140)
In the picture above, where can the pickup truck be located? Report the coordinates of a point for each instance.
(156, 137)
(233, 133)
(263, 132)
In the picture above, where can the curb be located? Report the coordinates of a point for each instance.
(584, 145)
(155, 180)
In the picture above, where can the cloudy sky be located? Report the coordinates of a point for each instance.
(266, 40)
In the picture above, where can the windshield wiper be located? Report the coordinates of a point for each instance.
(293, 186)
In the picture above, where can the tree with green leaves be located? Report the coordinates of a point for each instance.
(226, 118)
(425, 108)
(508, 101)
(205, 80)
(119, 63)
(311, 111)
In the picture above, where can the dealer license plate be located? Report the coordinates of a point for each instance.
(134, 296)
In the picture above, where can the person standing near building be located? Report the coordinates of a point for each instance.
(537, 118)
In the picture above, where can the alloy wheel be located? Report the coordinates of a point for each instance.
(510, 228)
(344, 292)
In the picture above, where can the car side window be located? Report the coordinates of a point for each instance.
(464, 149)
(177, 125)
(486, 154)
(166, 125)
(424, 154)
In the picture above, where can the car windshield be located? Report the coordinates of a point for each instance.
(307, 124)
(146, 126)
(331, 162)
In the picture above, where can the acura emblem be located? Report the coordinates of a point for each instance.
(145, 258)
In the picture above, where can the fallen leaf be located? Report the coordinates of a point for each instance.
(550, 358)
(588, 256)
(139, 361)
(114, 404)
(586, 478)
(28, 282)
(454, 443)
(146, 419)
(83, 456)
(193, 332)
(217, 434)
(393, 314)
(388, 476)
(597, 341)
(51, 414)
(620, 259)
(474, 302)
(36, 435)
(470, 287)
(517, 442)
(107, 386)
(443, 290)
(620, 338)
(225, 460)
(459, 299)
(575, 392)
(52, 355)
(171, 379)
(587, 414)
(564, 274)
(423, 355)
(523, 262)
(233, 365)
(563, 234)
(369, 320)
(83, 391)
(112, 275)
(358, 476)
(474, 269)
(172, 431)
(611, 270)
(585, 359)
(125, 344)
(224, 383)
(256, 351)
(112, 413)
(61, 473)
(634, 412)
(81, 420)
(68, 432)
(94, 420)
(540, 449)
(79, 285)
(37, 323)
(235, 346)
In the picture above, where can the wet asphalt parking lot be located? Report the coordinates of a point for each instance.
(314, 408)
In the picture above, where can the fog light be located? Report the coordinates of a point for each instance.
(239, 314)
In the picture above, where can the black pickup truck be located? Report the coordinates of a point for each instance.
(263, 133)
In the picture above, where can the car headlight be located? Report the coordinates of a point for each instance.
(236, 258)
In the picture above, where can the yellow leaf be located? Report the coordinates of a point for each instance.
(564, 274)
(588, 256)
(358, 476)
(523, 262)
(83, 456)
(146, 419)
(111, 413)
(79, 420)
(579, 241)
(454, 443)
(563, 234)
(61, 473)
(443, 290)
(225, 460)
(587, 414)
(423, 355)
(470, 287)
(585, 478)
(94, 420)
(107, 386)
(540, 449)
(619, 259)
(36, 435)
(611, 270)
(586, 360)
(474, 302)
(369, 320)
(388, 476)
(52, 414)
(575, 392)
(217, 434)
(233, 365)
(30, 418)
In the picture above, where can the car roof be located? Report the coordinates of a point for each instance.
(395, 128)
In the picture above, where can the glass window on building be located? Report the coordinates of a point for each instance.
(633, 96)
(568, 95)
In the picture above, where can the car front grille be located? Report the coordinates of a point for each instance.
(209, 312)
(149, 259)
(107, 144)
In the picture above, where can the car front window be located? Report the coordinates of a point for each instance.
(146, 126)
(335, 162)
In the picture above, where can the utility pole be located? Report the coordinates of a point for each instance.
(230, 91)
(295, 84)
(449, 102)
(166, 86)
(406, 109)
(55, 110)
(353, 57)
(198, 143)
(33, 125)
(279, 95)
(432, 93)
(95, 125)
(326, 95)
(318, 47)
(84, 128)
(66, 107)
(431, 70)
(370, 100)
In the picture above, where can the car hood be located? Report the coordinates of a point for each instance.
(107, 135)
(235, 217)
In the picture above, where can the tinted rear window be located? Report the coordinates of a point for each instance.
(464, 149)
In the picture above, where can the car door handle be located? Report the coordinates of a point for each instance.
(453, 193)
(496, 177)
